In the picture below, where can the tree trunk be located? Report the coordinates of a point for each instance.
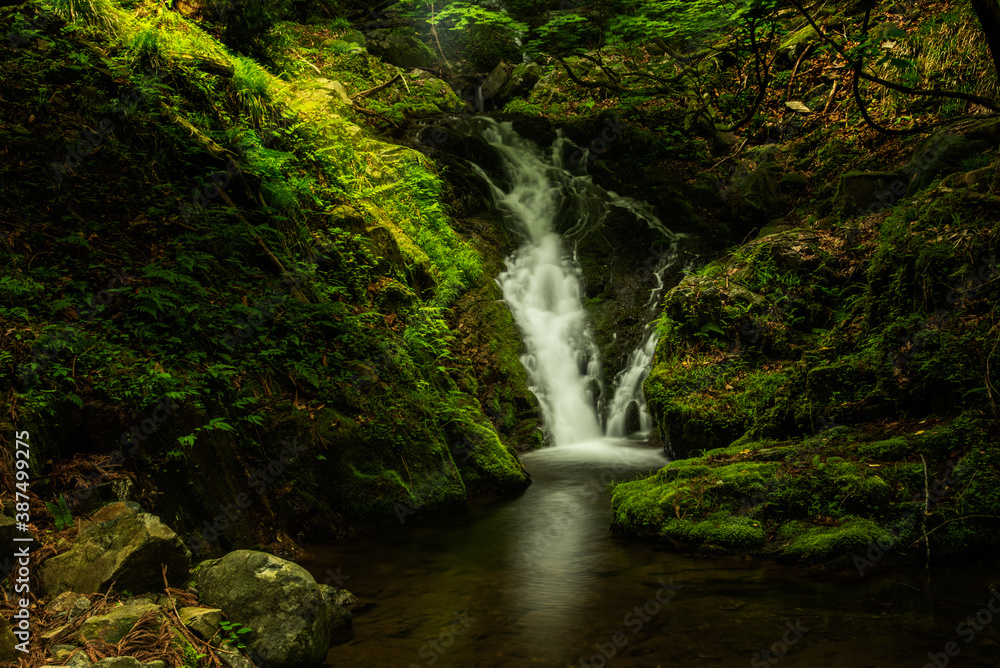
(988, 13)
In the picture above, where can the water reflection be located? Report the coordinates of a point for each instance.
(545, 584)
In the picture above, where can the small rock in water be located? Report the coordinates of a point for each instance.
(632, 421)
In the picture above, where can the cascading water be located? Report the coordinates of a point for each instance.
(541, 285)
(542, 288)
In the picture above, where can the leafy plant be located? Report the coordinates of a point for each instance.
(61, 513)
(235, 633)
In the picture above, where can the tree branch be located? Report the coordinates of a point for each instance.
(934, 92)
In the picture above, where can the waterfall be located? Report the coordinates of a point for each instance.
(541, 286)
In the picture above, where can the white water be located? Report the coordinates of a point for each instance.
(541, 286)
(542, 289)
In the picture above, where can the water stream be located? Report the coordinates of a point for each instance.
(538, 580)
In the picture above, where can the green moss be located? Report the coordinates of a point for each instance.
(893, 448)
(853, 536)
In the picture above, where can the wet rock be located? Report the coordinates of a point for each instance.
(496, 80)
(632, 422)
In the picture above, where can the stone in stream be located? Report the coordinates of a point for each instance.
(291, 617)
(632, 422)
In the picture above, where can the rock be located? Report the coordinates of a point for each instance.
(336, 89)
(79, 660)
(57, 633)
(632, 421)
(522, 80)
(203, 621)
(942, 154)
(790, 50)
(795, 105)
(113, 626)
(68, 604)
(404, 51)
(341, 597)
(289, 614)
(118, 662)
(496, 80)
(127, 550)
(7, 641)
(8, 530)
(340, 623)
(793, 181)
(865, 193)
(154, 664)
(63, 652)
(233, 658)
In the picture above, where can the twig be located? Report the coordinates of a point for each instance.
(833, 92)
(731, 155)
(927, 505)
(372, 91)
(795, 69)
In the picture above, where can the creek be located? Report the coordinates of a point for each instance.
(538, 580)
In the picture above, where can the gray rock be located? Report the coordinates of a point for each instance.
(290, 617)
(496, 80)
(68, 604)
(127, 550)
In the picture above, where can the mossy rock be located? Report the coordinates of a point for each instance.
(853, 536)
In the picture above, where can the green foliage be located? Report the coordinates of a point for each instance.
(61, 513)
(234, 633)
(251, 27)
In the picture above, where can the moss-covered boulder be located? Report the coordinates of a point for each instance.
(290, 618)
(128, 551)
(405, 51)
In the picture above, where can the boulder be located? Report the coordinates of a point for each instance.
(942, 154)
(114, 626)
(496, 80)
(863, 193)
(289, 614)
(404, 51)
(127, 550)
(522, 80)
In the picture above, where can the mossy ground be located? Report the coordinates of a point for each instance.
(805, 381)
(303, 293)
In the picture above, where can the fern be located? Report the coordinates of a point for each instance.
(61, 513)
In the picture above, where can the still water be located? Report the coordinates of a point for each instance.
(538, 580)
